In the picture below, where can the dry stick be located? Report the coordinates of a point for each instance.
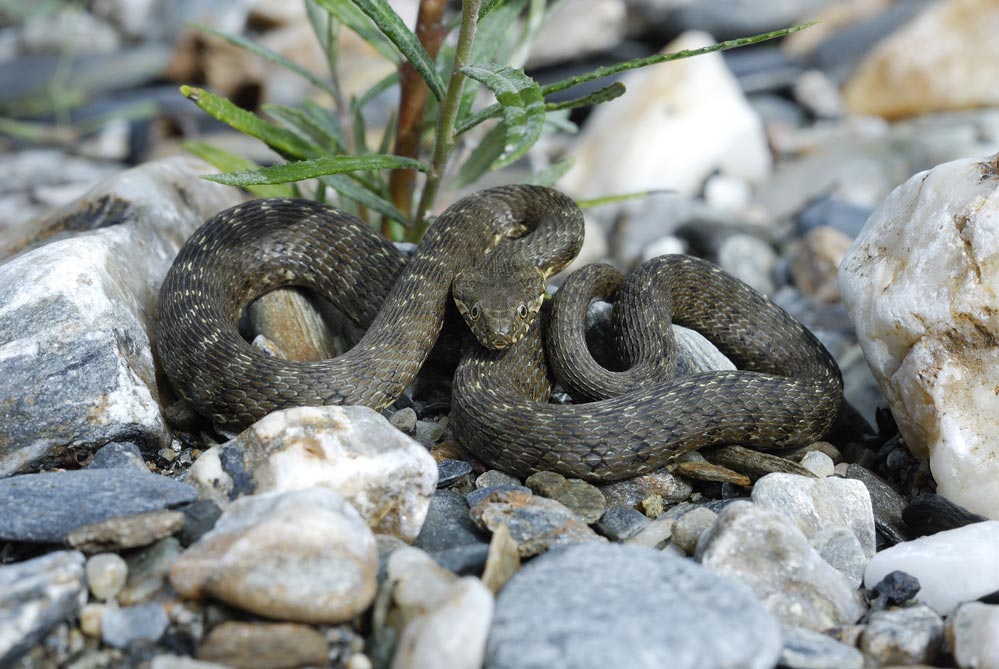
(430, 29)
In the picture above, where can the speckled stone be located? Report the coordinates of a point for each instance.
(903, 635)
(584, 499)
(646, 609)
(536, 523)
(690, 526)
(621, 522)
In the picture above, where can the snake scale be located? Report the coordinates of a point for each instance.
(498, 248)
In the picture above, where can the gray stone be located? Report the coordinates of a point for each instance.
(148, 570)
(749, 259)
(537, 524)
(762, 549)
(405, 420)
(973, 635)
(807, 649)
(887, 504)
(584, 499)
(621, 522)
(35, 596)
(448, 525)
(122, 626)
(451, 471)
(840, 547)
(46, 507)
(119, 454)
(903, 636)
(816, 504)
(689, 527)
(833, 212)
(126, 532)
(494, 477)
(429, 432)
(645, 608)
(76, 365)
(301, 555)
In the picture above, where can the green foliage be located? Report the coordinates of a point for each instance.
(327, 146)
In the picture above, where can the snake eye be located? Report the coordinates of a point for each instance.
(522, 311)
(473, 313)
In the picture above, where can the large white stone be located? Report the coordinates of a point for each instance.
(920, 285)
(952, 567)
(678, 123)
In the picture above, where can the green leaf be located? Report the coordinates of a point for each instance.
(269, 55)
(327, 120)
(317, 167)
(605, 94)
(229, 162)
(548, 176)
(306, 127)
(483, 156)
(523, 107)
(285, 142)
(382, 14)
(348, 14)
(666, 57)
(621, 197)
(352, 191)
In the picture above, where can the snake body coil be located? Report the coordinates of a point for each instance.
(790, 394)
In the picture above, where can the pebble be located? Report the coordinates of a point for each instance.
(895, 589)
(932, 352)
(72, 381)
(582, 498)
(300, 556)
(808, 649)
(450, 536)
(128, 532)
(90, 616)
(631, 492)
(655, 534)
(405, 420)
(885, 502)
(816, 504)
(452, 471)
(840, 548)
(352, 450)
(476, 496)
(749, 259)
(47, 507)
(690, 526)
(503, 561)
(118, 454)
(429, 432)
(952, 567)
(199, 517)
(494, 477)
(35, 596)
(621, 522)
(930, 513)
(761, 548)
(148, 570)
(537, 524)
(666, 611)
(260, 645)
(106, 575)
(818, 463)
(903, 636)
(121, 626)
(973, 635)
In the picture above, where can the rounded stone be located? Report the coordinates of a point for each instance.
(106, 575)
(610, 605)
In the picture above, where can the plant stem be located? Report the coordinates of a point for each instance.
(447, 115)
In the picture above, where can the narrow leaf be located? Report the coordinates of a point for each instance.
(523, 107)
(605, 94)
(310, 169)
(283, 141)
(382, 14)
(622, 197)
(230, 162)
(548, 176)
(342, 184)
(303, 125)
(348, 14)
(666, 57)
(269, 55)
(326, 119)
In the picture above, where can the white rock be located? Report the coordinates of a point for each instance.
(816, 504)
(973, 632)
(678, 123)
(762, 549)
(419, 583)
(353, 450)
(106, 575)
(304, 555)
(919, 285)
(76, 365)
(818, 463)
(212, 481)
(952, 567)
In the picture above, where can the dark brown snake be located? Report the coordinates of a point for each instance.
(787, 392)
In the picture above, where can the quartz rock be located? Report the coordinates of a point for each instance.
(945, 58)
(973, 635)
(76, 365)
(122, 626)
(952, 567)
(932, 351)
(762, 549)
(353, 450)
(106, 575)
(302, 555)
(677, 125)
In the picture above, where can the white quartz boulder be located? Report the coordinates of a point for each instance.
(921, 283)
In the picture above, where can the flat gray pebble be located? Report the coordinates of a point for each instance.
(494, 477)
(122, 626)
(612, 605)
(449, 471)
(45, 508)
(621, 522)
(447, 525)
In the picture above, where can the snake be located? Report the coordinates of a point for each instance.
(492, 253)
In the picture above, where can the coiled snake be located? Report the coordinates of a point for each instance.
(788, 394)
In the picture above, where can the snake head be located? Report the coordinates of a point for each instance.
(499, 307)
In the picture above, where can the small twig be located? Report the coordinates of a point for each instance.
(445, 136)
(430, 29)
